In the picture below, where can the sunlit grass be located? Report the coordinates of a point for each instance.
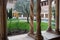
(23, 25)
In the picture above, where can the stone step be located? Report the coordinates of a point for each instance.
(50, 36)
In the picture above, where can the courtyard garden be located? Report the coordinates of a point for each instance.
(21, 26)
(17, 26)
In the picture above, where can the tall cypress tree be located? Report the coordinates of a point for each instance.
(10, 13)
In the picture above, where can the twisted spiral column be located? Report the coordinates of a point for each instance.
(38, 19)
(31, 17)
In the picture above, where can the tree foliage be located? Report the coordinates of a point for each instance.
(10, 13)
(23, 7)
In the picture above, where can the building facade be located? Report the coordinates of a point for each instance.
(44, 8)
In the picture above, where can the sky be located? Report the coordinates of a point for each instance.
(42, 0)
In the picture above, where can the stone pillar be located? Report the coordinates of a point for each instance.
(3, 35)
(49, 16)
(57, 16)
(38, 19)
(31, 17)
(59, 13)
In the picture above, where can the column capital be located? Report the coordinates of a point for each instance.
(49, 2)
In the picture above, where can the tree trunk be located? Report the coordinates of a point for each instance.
(28, 18)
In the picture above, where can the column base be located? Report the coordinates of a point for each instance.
(5, 39)
(57, 32)
(39, 37)
(49, 29)
(31, 33)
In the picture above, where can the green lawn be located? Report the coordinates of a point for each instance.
(23, 25)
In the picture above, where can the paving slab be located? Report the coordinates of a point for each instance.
(46, 35)
(20, 37)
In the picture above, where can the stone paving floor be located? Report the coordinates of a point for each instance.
(20, 37)
(46, 35)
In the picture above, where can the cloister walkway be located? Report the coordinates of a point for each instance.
(47, 36)
(20, 37)
(38, 35)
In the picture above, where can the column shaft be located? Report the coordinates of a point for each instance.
(49, 16)
(38, 19)
(31, 17)
(3, 35)
(57, 16)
